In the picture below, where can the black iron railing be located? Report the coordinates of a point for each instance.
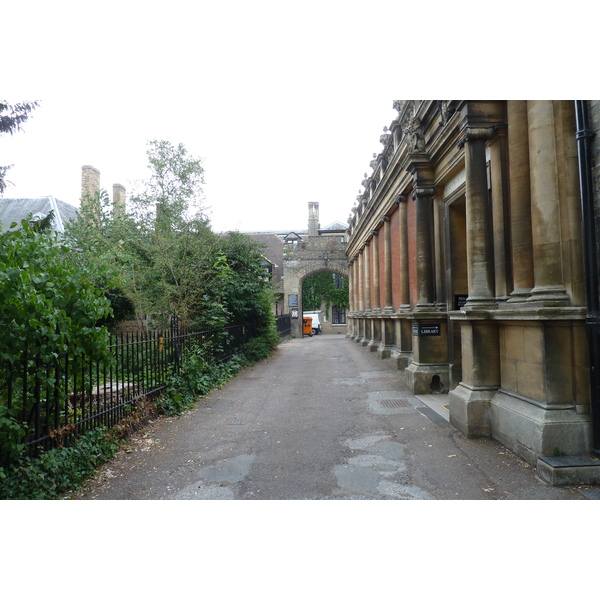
(284, 325)
(58, 399)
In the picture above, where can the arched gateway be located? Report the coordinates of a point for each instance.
(323, 250)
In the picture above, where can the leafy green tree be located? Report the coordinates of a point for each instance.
(12, 116)
(50, 303)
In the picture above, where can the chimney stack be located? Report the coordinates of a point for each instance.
(90, 188)
(118, 201)
(313, 218)
(90, 181)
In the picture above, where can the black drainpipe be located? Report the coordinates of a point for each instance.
(584, 136)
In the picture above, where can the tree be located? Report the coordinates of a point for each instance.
(50, 304)
(12, 116)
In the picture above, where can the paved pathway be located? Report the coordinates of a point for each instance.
(322, 419)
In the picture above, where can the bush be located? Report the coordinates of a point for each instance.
(58, 470)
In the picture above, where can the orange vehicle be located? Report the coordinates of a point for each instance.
(307, 326)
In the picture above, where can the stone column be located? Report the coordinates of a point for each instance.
(367, 276)
(545, 206)
(480, 250)
(500, 214)
(520, 200)
(376, 277)
(360, 268)
(403, 271)
(425, 272)
(387, 268)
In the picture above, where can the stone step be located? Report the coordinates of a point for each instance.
(569, 470)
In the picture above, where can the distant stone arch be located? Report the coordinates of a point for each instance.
(317, 254)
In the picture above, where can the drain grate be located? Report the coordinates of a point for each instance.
(383, 379)
(395, 403)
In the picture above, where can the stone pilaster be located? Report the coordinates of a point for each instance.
(520, 200)
(545, 206)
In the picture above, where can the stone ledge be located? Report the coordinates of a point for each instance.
(569, 470)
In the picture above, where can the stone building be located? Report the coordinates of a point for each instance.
(467, 268)
(298, 254)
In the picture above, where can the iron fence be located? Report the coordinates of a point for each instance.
(59, 398)
(284, 325)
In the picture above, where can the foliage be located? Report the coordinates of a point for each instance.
(170, 261)
(12, 116)
(57, 470)
(200, 373)
(49, 304)
(48, 299)
(320, 288)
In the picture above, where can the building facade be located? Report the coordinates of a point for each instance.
(466, 265)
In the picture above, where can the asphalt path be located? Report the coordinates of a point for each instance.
(322, 419)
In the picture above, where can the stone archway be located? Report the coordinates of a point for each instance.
(317, 254)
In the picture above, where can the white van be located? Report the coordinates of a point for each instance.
(316, 323)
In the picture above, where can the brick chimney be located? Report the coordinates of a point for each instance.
(90, 187)
(118, 200)
(90, 180)
(313, 218)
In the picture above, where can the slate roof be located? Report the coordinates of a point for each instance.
(335, 226)
(15, 209)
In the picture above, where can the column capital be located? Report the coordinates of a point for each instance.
(422, 191)
(470, 134)
(400, 199)
(385, 219)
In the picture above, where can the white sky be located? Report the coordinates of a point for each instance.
(285, 102)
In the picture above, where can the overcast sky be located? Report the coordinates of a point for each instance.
(285, 102)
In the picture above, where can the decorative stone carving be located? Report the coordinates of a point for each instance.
(445, 111)
(414, 135)
(399, 105)
(373, 163)
(385, 138)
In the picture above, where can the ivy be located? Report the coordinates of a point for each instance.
(321, 289)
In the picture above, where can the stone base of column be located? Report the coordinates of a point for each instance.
(470, 409)
(519, 295)
(384, 351)
(373, 345)
(427, 378)
(549, 295)
(532, 430)
(401, 360)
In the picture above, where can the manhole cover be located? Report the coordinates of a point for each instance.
(395, 403)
